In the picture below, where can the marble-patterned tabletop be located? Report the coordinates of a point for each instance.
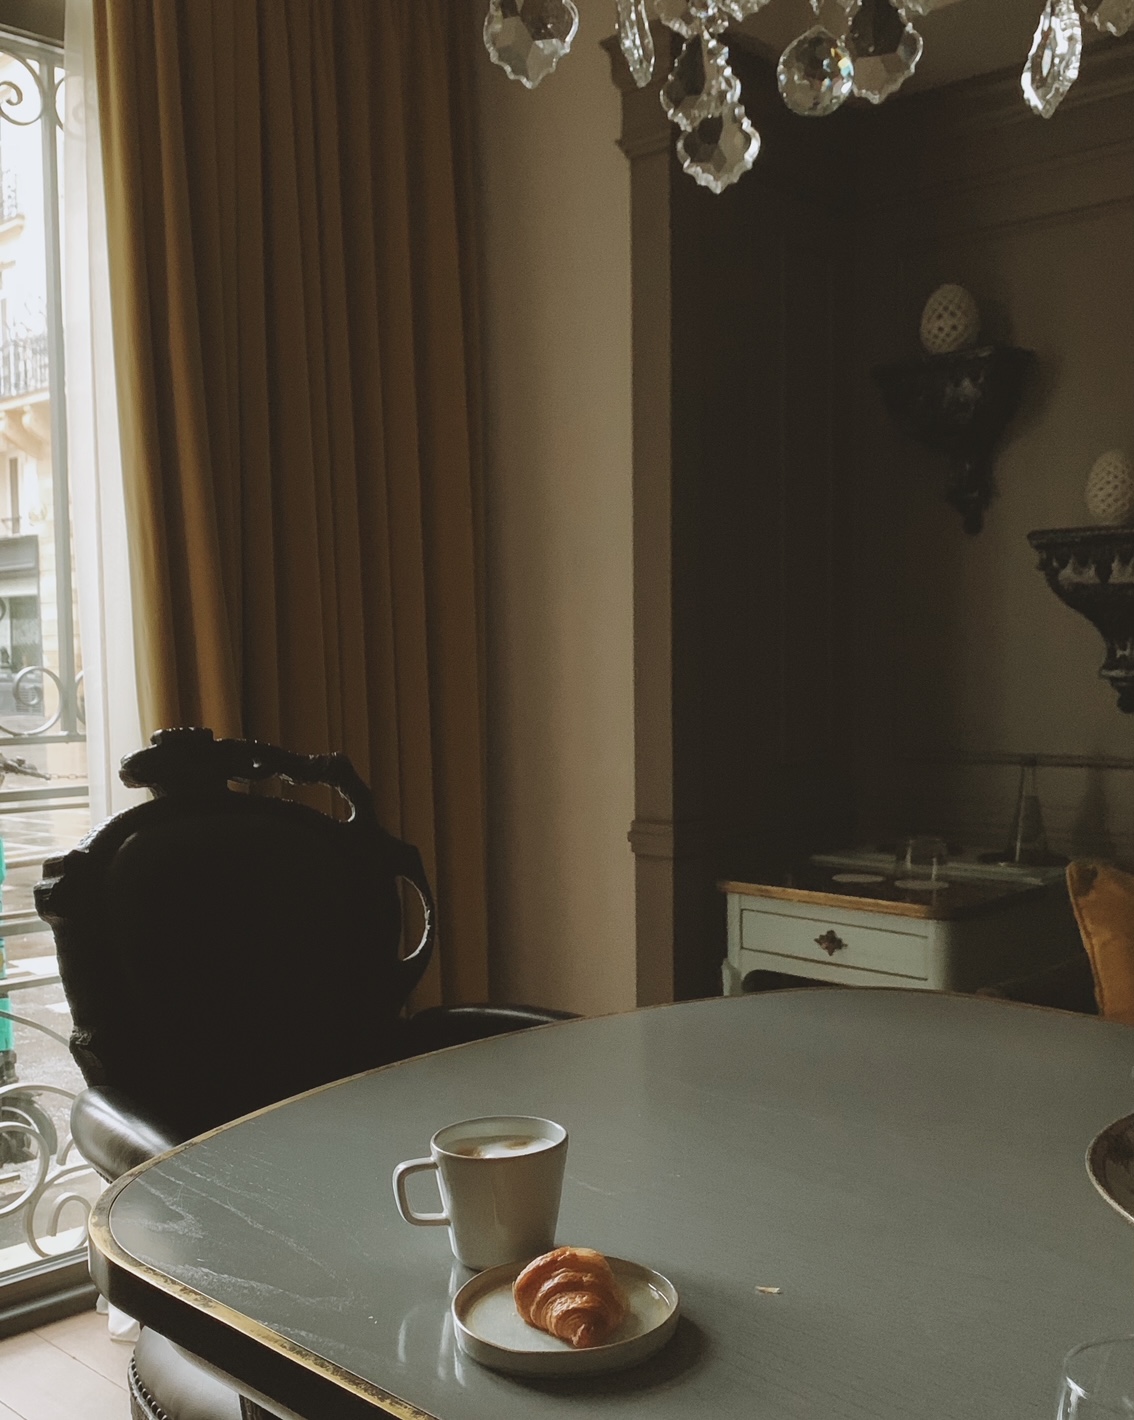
(873, 1204)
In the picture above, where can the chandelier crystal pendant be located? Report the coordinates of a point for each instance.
(1113, 17)
(720, 149)
(636, 39)
(700, 84)
(1053, 64)
(885, 50)
(815, 74)
(528, 38)
(863, 49)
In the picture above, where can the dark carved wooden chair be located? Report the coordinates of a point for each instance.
(222, 950)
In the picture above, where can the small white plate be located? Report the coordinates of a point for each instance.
(491, 1330)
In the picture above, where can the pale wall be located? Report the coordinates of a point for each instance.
(555, 196)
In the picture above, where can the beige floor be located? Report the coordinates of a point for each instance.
(70, 1370)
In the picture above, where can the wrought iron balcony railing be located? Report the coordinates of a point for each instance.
(24, 367)
(46, 1188)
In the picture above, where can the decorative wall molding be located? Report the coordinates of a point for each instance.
(1023, 195)
(939, 142)
(1006, 758)
(1084, 805)
(645, 128)
(669, 841)
(651, 840)
(957, 112)
(919, 238)
(994, 100)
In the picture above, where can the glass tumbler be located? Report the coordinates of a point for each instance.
(918, 865)
(1098, 1381)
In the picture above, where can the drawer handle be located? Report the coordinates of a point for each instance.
(831, 943)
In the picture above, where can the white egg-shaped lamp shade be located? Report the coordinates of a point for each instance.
(1110, 489)
(950, 321)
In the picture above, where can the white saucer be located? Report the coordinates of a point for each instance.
(491, 1331)
(1110, 1163)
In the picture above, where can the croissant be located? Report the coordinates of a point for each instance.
(571, 1293)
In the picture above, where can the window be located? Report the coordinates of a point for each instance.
(44, 1189)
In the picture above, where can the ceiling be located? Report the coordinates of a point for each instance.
(967, 38)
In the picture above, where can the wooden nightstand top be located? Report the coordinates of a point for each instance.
(816, 886)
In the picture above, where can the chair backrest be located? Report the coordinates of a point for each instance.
(1102, 896)
(222, 949)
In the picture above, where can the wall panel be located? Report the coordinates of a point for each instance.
(963, 650)
(823, 655)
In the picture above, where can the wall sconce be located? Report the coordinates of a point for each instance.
(1091, 570)
(959, 404)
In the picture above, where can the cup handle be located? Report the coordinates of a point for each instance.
(401, 1173)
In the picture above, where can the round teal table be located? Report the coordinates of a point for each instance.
(905, 1168)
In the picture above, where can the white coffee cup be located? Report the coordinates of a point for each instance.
(500, 1178)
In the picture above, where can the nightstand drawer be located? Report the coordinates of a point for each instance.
(817, 939)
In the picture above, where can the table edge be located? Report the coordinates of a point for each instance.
(202, 1324)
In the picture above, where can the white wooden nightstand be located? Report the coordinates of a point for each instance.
(979, 930)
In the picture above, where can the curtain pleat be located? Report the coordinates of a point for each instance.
(294, 290)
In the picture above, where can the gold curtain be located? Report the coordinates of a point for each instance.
(294, 305)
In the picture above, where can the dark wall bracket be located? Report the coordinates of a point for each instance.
(959, 405)
(1091, 570)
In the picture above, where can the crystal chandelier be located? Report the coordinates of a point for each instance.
(867, 48)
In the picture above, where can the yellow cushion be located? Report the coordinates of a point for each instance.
(1103, 899)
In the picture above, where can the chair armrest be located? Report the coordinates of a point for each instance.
(114, 1134)
(439, 1026)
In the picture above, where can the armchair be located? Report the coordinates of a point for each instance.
(222, 950)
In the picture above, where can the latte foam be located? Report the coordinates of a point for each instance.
(497, 1146)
